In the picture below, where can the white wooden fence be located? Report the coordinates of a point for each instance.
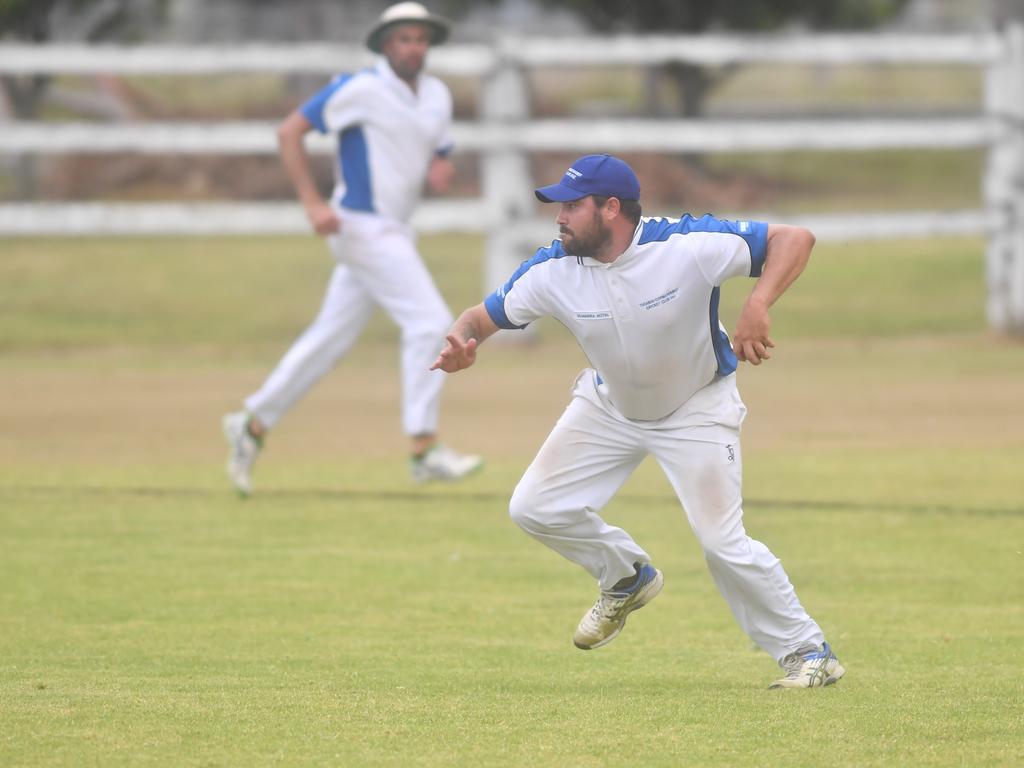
(504, 134)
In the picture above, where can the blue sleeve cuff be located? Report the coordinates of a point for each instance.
(313, 109)
(757, 240)
(495, 306)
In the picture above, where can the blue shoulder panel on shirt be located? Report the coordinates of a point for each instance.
(313, 109)
(755, 233)
(355, 170)
(719, 339)
(495, 303)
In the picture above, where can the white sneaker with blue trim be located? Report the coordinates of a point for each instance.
(810, 668)
(605, 620)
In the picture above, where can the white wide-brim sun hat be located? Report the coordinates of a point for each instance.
(404, 13)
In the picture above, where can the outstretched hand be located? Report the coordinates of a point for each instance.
(456, 355)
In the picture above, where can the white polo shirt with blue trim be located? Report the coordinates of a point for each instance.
(648, 321)
(387, 136)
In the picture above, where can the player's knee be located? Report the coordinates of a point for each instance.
(722, 546)
(713, 549)
(522, 508)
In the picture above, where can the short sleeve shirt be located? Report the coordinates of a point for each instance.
(387, 136)
(648, 321)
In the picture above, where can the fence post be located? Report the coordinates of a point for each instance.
(505, 172)
(1004, 186)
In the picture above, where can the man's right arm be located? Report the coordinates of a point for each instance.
(292, 151)
(466, 334)
(787, 252)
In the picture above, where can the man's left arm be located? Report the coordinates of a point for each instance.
(441, 170)
(788, 249)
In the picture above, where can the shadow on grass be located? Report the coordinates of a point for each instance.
(346, 494)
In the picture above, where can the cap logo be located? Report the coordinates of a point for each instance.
(601, 175)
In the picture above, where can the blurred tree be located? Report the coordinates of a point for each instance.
(34, 21)
(25, 20)
(700, 15)
(1006, 11)
(694, 83)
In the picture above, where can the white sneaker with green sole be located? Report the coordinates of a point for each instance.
(444, 464)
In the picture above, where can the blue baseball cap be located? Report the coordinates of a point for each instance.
(593, 175)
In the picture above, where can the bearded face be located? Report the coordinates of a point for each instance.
(583, 230)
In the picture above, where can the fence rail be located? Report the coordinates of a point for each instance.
(506, 133)
(469, 216)
(259, 138)
(704, 50)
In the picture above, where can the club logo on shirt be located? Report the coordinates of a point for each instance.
(744, 226)
(598, 315)
(657, 301)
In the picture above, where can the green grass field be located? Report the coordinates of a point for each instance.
(345, 617)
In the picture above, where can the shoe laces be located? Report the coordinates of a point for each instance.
(793, 663)
(608, 606)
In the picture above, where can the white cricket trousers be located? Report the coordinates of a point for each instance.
(377, 263)
(591, 452)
